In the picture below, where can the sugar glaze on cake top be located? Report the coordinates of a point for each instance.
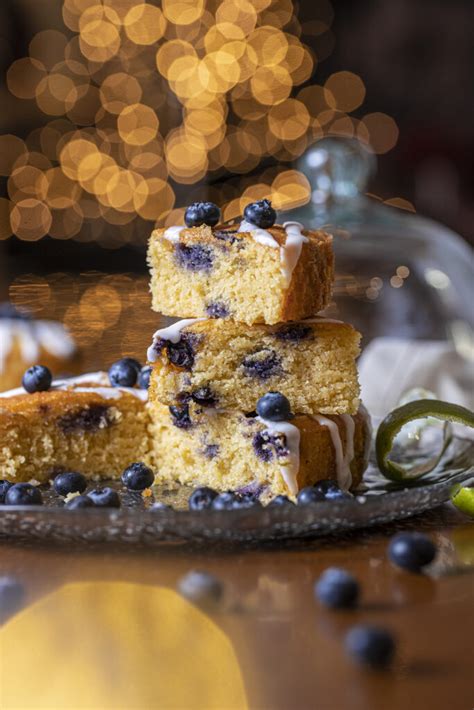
(34, 336)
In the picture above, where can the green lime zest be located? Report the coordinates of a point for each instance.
(463, 499)
(393, 422)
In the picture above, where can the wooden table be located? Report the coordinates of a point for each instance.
(103, 627)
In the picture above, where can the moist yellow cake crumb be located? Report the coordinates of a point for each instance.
(230, 365)
(229, 450)
(224, 273)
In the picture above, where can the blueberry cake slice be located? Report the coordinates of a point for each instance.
(223, 364)
(245, 272)
(232, 450)
(81, 424)
(24, 341)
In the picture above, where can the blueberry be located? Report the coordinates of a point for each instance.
(181, 353)
(37, 379)
(180, 416)
(4, 487)
(260, 213)
(337, 589)
(202, 213)
(201, 588)
(70, 482)
(309, 495)
(279, 501)
(217, 309)
(267, 445)
(144, 377)
(90, 418)
(370, 645)
(12, 594)
(104, 498)
(23, 494)
(210, 451)
(293, 332)
(246, 501)
(274, 406)
(194, 257)
(224, 501)
(262, 365)
(137, 477)
(411, 550)
(330, 490)
(79, 502)
(159, 505)
(124, 372)
(202, 498)
(204, 396)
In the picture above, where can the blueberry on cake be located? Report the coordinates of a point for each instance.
(228, 365)
(83, 424)
(255, 272)
(245, 452)
(25, 341)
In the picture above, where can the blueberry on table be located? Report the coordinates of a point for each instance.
(137, 477)
(202, 213)
(201, 588)
(79, 502)
(201, 498)
(274, 407)
(279, 501)
(124, 372)
(4, 487)
(104, 498)
(144, 377)
(411, 550)
(37, 379)
(69, 482)
(336, 588)
(309, 495)
(261, 214)
(224, 501)
(23, 494)
(370, 645)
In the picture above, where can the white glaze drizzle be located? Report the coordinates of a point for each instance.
(261, 236)
(291, 252)
(368, 431)
(172, 233)
(102, 388)
(289, 472)
(343, 459)
(33, 336)
(171, 333)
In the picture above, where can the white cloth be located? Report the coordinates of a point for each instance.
(389, 367)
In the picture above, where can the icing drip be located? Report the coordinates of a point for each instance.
(343, 460)
(172, 233)
(289, 472)
(368, 431)
(32, 337)
(291, 252)
(261, 236)
(102, 388)
(171, 333)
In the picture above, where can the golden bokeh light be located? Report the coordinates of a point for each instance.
(346, 91)
(137, 124)
(144, 24)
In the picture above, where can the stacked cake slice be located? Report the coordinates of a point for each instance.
(249, 296)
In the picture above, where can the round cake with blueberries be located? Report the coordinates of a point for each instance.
(26, 341)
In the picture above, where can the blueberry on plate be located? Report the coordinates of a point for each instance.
(274, 407)
(137, 477)
(330, 490)
(245, 502)
(411, 550)
(201, 588)
(69, 482)
(159, 505)
(279, 501)
(124, 372)
(337, 589)
(79, 502)
(224, 501)
(202, 213)
(144, 377)
(12, 594)
(309, 495)
(23, 494)
(37, 379)
(202, 498)
(370, 645)
(4, 487)
(261, 214)
(104, 498)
